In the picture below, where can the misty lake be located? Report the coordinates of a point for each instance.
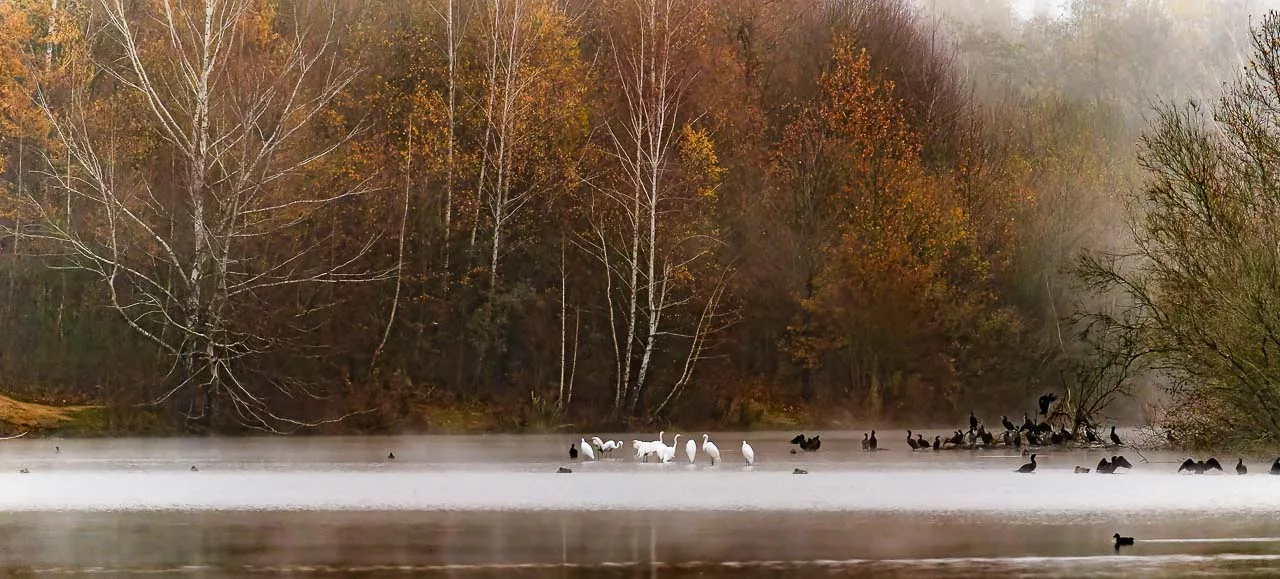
(489, 506)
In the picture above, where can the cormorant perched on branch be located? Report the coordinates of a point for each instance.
(1114, 438)
(1045, 402)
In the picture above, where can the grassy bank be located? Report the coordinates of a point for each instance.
(37, 419)
(435, 415)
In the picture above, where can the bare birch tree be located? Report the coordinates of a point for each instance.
(647, 260)
(228, 99)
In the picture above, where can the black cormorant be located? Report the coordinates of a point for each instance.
(1029, 467)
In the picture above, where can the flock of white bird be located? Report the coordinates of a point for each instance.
(658, 449)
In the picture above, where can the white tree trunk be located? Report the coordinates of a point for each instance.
(179, 271)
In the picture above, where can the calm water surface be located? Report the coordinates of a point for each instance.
(493, 506)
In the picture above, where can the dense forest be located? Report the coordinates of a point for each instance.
(268, 214)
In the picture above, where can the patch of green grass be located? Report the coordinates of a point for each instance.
(120, 421)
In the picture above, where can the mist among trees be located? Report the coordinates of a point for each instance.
(274, 214)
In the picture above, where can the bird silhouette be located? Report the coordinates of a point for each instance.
(1122, 541)
(1240, 467)
(1105, 467)
(1275, 467)
(563, 470)
(573, 452)
(1114, 438)
(1200, 467)
(912, 442)
(1081, 470)
(1029, 467)
(872, 442)
(1004, 421)
(1045, 402)
(973, 421)
(921, 443)
(937, 445)
(391, 456)
(1121, 462)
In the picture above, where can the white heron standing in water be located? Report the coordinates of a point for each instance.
(690, 449)
(709, 448)
(669, 452)
(748, 453)
(586, 450)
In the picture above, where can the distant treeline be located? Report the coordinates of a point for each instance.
(736, 211)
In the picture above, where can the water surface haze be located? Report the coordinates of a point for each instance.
(495, 506)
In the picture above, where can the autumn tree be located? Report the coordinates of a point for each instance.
(882, 245)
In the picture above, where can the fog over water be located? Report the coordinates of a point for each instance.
(495, 506)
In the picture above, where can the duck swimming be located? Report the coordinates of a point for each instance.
(1122, 541)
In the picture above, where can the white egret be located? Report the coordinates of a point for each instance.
(586, 450)
(644, 449)
(599, 444)
(748, 454)
(690, 449)
(669, 452)
(709, 448)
